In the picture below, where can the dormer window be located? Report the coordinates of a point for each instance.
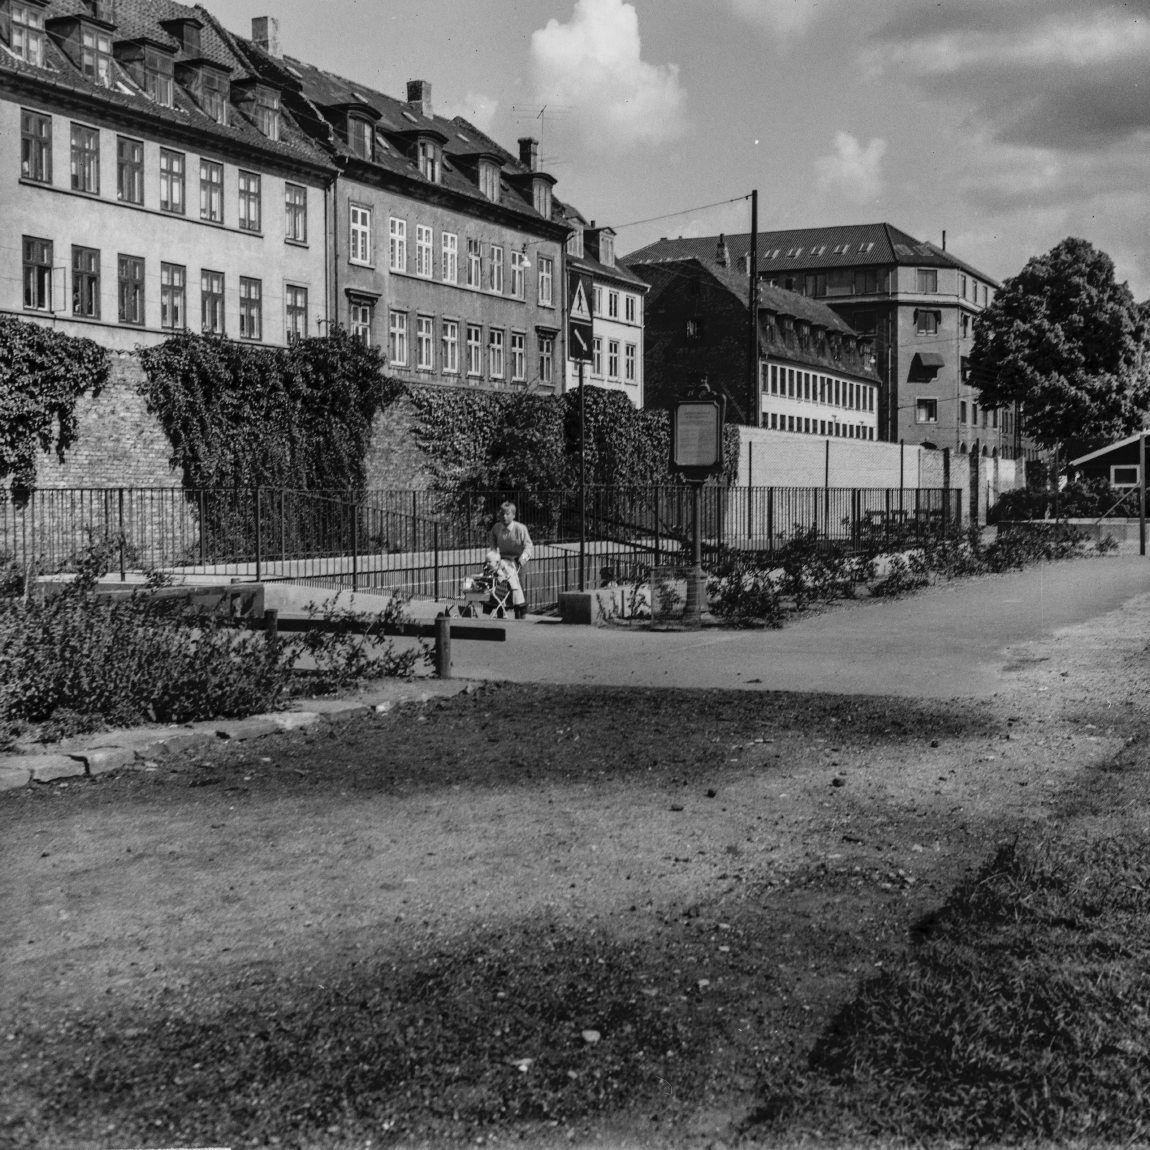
(541, 194)
(150, 66)
(575, 242)
(187, 31)
(360, 137)
(607, 249)
(489, 181)
(430, 162)
(26, 32)
(96, 56)
(267, 112)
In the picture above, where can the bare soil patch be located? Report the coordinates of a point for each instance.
(548, 914)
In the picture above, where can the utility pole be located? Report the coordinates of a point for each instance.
(756, 409)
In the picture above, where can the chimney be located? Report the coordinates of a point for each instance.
(419, 96)
(266, 34)
(723, 253)
(944, 239)
(743, 263)
(529, 154)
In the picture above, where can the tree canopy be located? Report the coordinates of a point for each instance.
(1069, 344)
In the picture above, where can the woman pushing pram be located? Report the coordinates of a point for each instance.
(511, 541)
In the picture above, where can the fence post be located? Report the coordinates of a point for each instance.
(946, 489)
(435, 542)
(658, 491)
(200, 499)
(120, 528)
(886, 521)
(259, 541)
(355, 547)
(443, 647)
(771, 519)
(855, 500)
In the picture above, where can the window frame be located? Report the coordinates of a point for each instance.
(249, 195)
(518, 274)
(295, 312)
(96, 58)
(85, 282)
(361, 320)
(213, 302)
(926, 281)
(613, 360)
(449, 257)
(518, 346)
(37, 257)
(925, 410)
(251, 309)
(130, 278)
(396, 244)
(630, 358)
(424, 343)
(449, 346)
(173, 297)
(130, 170)
(295, 213)
(359, 221)
(397, 341)
(474, 351)
(546, 281)
(33, 36)
(211, 191)
(85, 159)
(35, 146)
(495, 268)
(474, 263)
(497, 353)
(424, 251)
(546, 349)
(173, 175)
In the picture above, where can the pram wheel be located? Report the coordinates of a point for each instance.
(471, 611)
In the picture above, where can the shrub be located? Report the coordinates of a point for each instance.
(743, 591)
(904, 574)
(1083, 499)
(819, 571)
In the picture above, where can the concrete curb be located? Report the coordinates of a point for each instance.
(134, 748)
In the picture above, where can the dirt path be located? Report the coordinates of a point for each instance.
(700, 878)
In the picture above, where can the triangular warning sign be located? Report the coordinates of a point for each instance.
(580, 308)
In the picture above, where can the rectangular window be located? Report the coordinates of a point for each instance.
(1124, 475)
(449, 253)
(450, 347)
(397, 244)
(36, 147)
(295, 312)
(965, 326)
(268, 113)
(172, 185)
(27, 33)
(629, 308)
(173, 297)
(518, 356)
(629, 363)
(974, 414)
(397, 338)
(546, 280)
(96, 56)
(496, 269)
(546, 359)
(612, 305)
(360, 137)
(211, 191)
(250, 209)
(927, 280)
(612, 359)
(212, 301)
(130, 273)
(359, 234)
(774, 379)
(496, 353)
(158, 77)
(429, 164)
(518, 263)
(424, 261)
(474, 349)
(474, 264)
(85, 159)
(926, 411)
(597, 296)
(214, 94)
(251, 308)
(926, 322)
(295, 213)
(86, 282)
(425, 343)
(129, 170)
(597, 355)
(962, 411)
(361, 319)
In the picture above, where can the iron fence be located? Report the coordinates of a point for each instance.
(425, 543)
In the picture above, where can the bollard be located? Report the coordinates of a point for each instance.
(443, 647)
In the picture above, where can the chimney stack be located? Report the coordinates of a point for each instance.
(266, 34)
(529, 152)
(944, 239)
(723, 253)
(743, 263)
(419, 96)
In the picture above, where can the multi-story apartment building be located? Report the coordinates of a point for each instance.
(617, 307)
(815, 375)
(151, 182)
(448, 251)
(916, 301)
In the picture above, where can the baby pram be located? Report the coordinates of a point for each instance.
(488, 593)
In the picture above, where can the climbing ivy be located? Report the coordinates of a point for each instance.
(42, 375)
(241, 416)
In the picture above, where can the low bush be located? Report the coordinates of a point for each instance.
(71, 661)
(743, 590)
(1085, 499)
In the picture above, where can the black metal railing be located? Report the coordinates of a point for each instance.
(426, 543)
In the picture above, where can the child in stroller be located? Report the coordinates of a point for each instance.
(490, 591)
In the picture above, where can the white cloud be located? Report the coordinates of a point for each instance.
(852, 170)
(782, 17)
(592, 69)
(479, 109)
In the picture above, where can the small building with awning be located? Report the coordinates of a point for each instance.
(1119, 463)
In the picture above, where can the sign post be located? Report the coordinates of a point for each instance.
(580, 320)
(697, 451)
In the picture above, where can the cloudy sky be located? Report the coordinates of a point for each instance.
(1011, 124)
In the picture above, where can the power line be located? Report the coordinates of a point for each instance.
(683, 212)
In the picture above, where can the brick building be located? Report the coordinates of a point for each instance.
(915, 300)
(815, 375)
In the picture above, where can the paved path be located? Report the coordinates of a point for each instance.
(951, 640)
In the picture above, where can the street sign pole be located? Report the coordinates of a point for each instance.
(582, 482)
(580, 342)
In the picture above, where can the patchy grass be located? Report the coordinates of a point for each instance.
(1025, 1013)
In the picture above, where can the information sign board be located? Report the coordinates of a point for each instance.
(697, 435)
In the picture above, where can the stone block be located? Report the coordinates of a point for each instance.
(13, 775)
(48, 768)
(101, 760)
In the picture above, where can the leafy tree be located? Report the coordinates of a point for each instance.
(1067, 343)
